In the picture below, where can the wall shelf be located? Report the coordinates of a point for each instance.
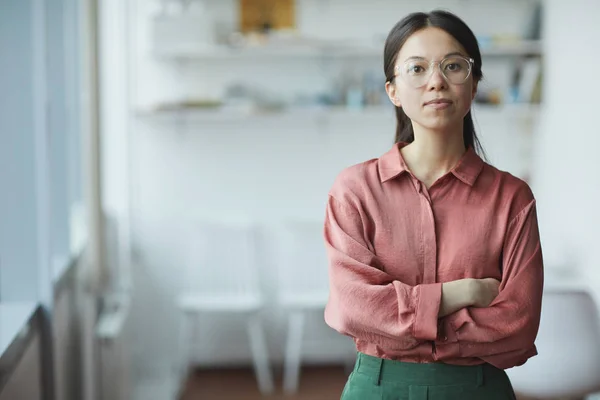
(522, 48)
(223, 116)
(325, 49)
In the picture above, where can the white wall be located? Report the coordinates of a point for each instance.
(271, 168)
(567, 167)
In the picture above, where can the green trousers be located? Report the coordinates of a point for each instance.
(378, 379)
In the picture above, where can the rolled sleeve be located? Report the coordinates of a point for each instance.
(365, 302)
(503, 333)
(426, 316)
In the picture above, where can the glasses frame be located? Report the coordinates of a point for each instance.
(469, 60)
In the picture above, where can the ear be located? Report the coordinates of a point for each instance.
(392, 92)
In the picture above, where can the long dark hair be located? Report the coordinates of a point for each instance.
(455, 27)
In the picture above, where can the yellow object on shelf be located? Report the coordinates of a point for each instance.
(256, 15)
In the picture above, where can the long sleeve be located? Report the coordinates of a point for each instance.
(365, 302)
(503, 334)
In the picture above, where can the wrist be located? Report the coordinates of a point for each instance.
(470, 292)
(455, 296)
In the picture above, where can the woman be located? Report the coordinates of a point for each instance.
(436, 269)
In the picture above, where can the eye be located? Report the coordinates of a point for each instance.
(453, 67)
(415, 69)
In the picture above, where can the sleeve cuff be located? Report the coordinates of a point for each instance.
(447, 344)
(448, 328)
(427, 310)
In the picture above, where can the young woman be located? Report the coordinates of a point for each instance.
(436, 269)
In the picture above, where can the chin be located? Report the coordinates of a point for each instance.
(441, 124)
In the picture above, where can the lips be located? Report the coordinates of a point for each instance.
(438, 101)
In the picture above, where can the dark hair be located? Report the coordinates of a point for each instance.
(455, 27)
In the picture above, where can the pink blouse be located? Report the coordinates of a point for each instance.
(391, 244)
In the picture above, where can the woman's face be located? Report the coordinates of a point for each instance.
(453, 100)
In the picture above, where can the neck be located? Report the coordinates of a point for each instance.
(433, 154)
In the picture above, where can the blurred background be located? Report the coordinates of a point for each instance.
(165, 168)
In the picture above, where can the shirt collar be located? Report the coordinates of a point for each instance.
(392, 164)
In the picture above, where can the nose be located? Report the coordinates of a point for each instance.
(437, 81)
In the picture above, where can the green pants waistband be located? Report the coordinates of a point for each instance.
(431, 374)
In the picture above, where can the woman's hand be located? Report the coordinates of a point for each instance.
(484, 291)
(457, 295)
(467, 292)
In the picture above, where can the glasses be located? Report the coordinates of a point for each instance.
(455, 70)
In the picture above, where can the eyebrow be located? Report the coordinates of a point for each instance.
(455, 53)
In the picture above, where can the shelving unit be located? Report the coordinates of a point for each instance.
(332, 57)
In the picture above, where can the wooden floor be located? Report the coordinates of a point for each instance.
(318, 383)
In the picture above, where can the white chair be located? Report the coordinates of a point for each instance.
(568, 342)
(222, 277)
(303, 287)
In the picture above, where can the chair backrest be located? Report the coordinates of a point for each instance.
(221, 258)
(570, 312)
(302, 261)
(568, 360)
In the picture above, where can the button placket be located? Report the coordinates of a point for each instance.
(429, 239)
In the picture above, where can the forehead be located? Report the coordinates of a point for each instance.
(430, 43)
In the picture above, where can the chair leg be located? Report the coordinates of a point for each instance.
(260, 356)
(186, 330)
(291, 377)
